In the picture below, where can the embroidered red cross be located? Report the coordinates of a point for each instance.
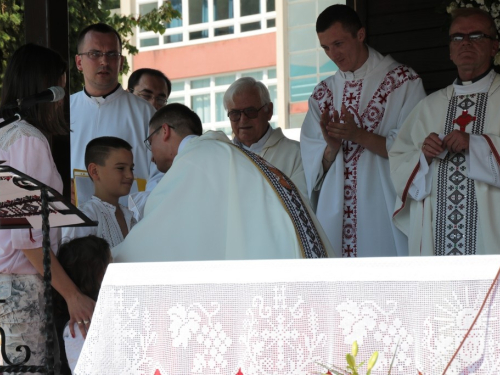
(383, 97)
(348, 250)
(347, 172)
(351, 98)
(348, 212)
(464, 119)
(402, 72)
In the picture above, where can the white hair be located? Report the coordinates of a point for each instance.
(243, 84)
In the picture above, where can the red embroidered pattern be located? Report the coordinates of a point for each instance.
(369, 120)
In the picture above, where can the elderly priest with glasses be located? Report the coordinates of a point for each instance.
(249, 109)
(445, 163)
(217, 201)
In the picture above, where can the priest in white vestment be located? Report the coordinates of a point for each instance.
(250, 109)
(217, 201)
(352, 121)
(445, 161)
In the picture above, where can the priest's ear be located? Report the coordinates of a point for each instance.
(93, 171)
(270, 108)
(361, 35)
(166, 131)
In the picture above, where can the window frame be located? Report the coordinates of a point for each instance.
(210, 25)
(214, 89)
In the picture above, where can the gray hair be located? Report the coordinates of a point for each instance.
(244, 84)
(468, 12)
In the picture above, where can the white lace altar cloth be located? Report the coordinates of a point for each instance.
(282, 317)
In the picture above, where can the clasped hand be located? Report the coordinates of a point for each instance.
(334, 131)
(456, 141)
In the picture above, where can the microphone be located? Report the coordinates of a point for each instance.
(52, 94)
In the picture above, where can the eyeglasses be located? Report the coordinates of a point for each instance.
(472, 37)
(160, 100)
(147, 141)
(96, 55)
(250, 112)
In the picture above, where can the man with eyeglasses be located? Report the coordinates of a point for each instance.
(250, 109)
(445, 161)
(103, 107)
(223, 202)
(151, 85)
(350, 125)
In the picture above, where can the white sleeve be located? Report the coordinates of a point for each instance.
(73, 346)
(481, 163)
(422, 183)
(137, 203)
(68, 233)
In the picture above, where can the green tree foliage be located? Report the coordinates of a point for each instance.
(81, 14)
(11, 30)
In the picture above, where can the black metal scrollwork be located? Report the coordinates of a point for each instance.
(19, 348)
(24, 183)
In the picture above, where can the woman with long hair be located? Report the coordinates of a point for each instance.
(24, 146)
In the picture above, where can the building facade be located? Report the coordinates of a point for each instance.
(219, 41)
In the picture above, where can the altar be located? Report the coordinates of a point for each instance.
(283, 317)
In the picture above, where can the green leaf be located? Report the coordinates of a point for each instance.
(372, 361)
(351, 362)
(15, 18)
(354, 348)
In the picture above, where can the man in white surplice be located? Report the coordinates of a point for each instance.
(352, 121)
(445, 161)
(103, 107)
(217, 201)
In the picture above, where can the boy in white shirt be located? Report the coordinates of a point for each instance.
(110, 165)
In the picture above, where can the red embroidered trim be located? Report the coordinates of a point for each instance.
(407, 187)
(372, 115)
(369, 120)
(492, 147)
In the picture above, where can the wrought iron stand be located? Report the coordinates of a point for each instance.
(16, 220)
(49, 316)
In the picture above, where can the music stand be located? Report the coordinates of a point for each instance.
(28, 203)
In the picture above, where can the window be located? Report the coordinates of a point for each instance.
(308, 62)
(208, 19)
(205, 96)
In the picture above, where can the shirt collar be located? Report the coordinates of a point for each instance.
(257, 146)
(111, 207)
(102, 96)
(185, 141)
(478, 78)
(479, 85)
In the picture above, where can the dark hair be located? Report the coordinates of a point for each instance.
(98, 28)
(84, 259)
(32, 69)
(182, 118)
(98, 149)
(136, 76)
(343, 14)
(468, 12)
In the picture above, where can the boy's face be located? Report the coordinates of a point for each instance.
(116, 176)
